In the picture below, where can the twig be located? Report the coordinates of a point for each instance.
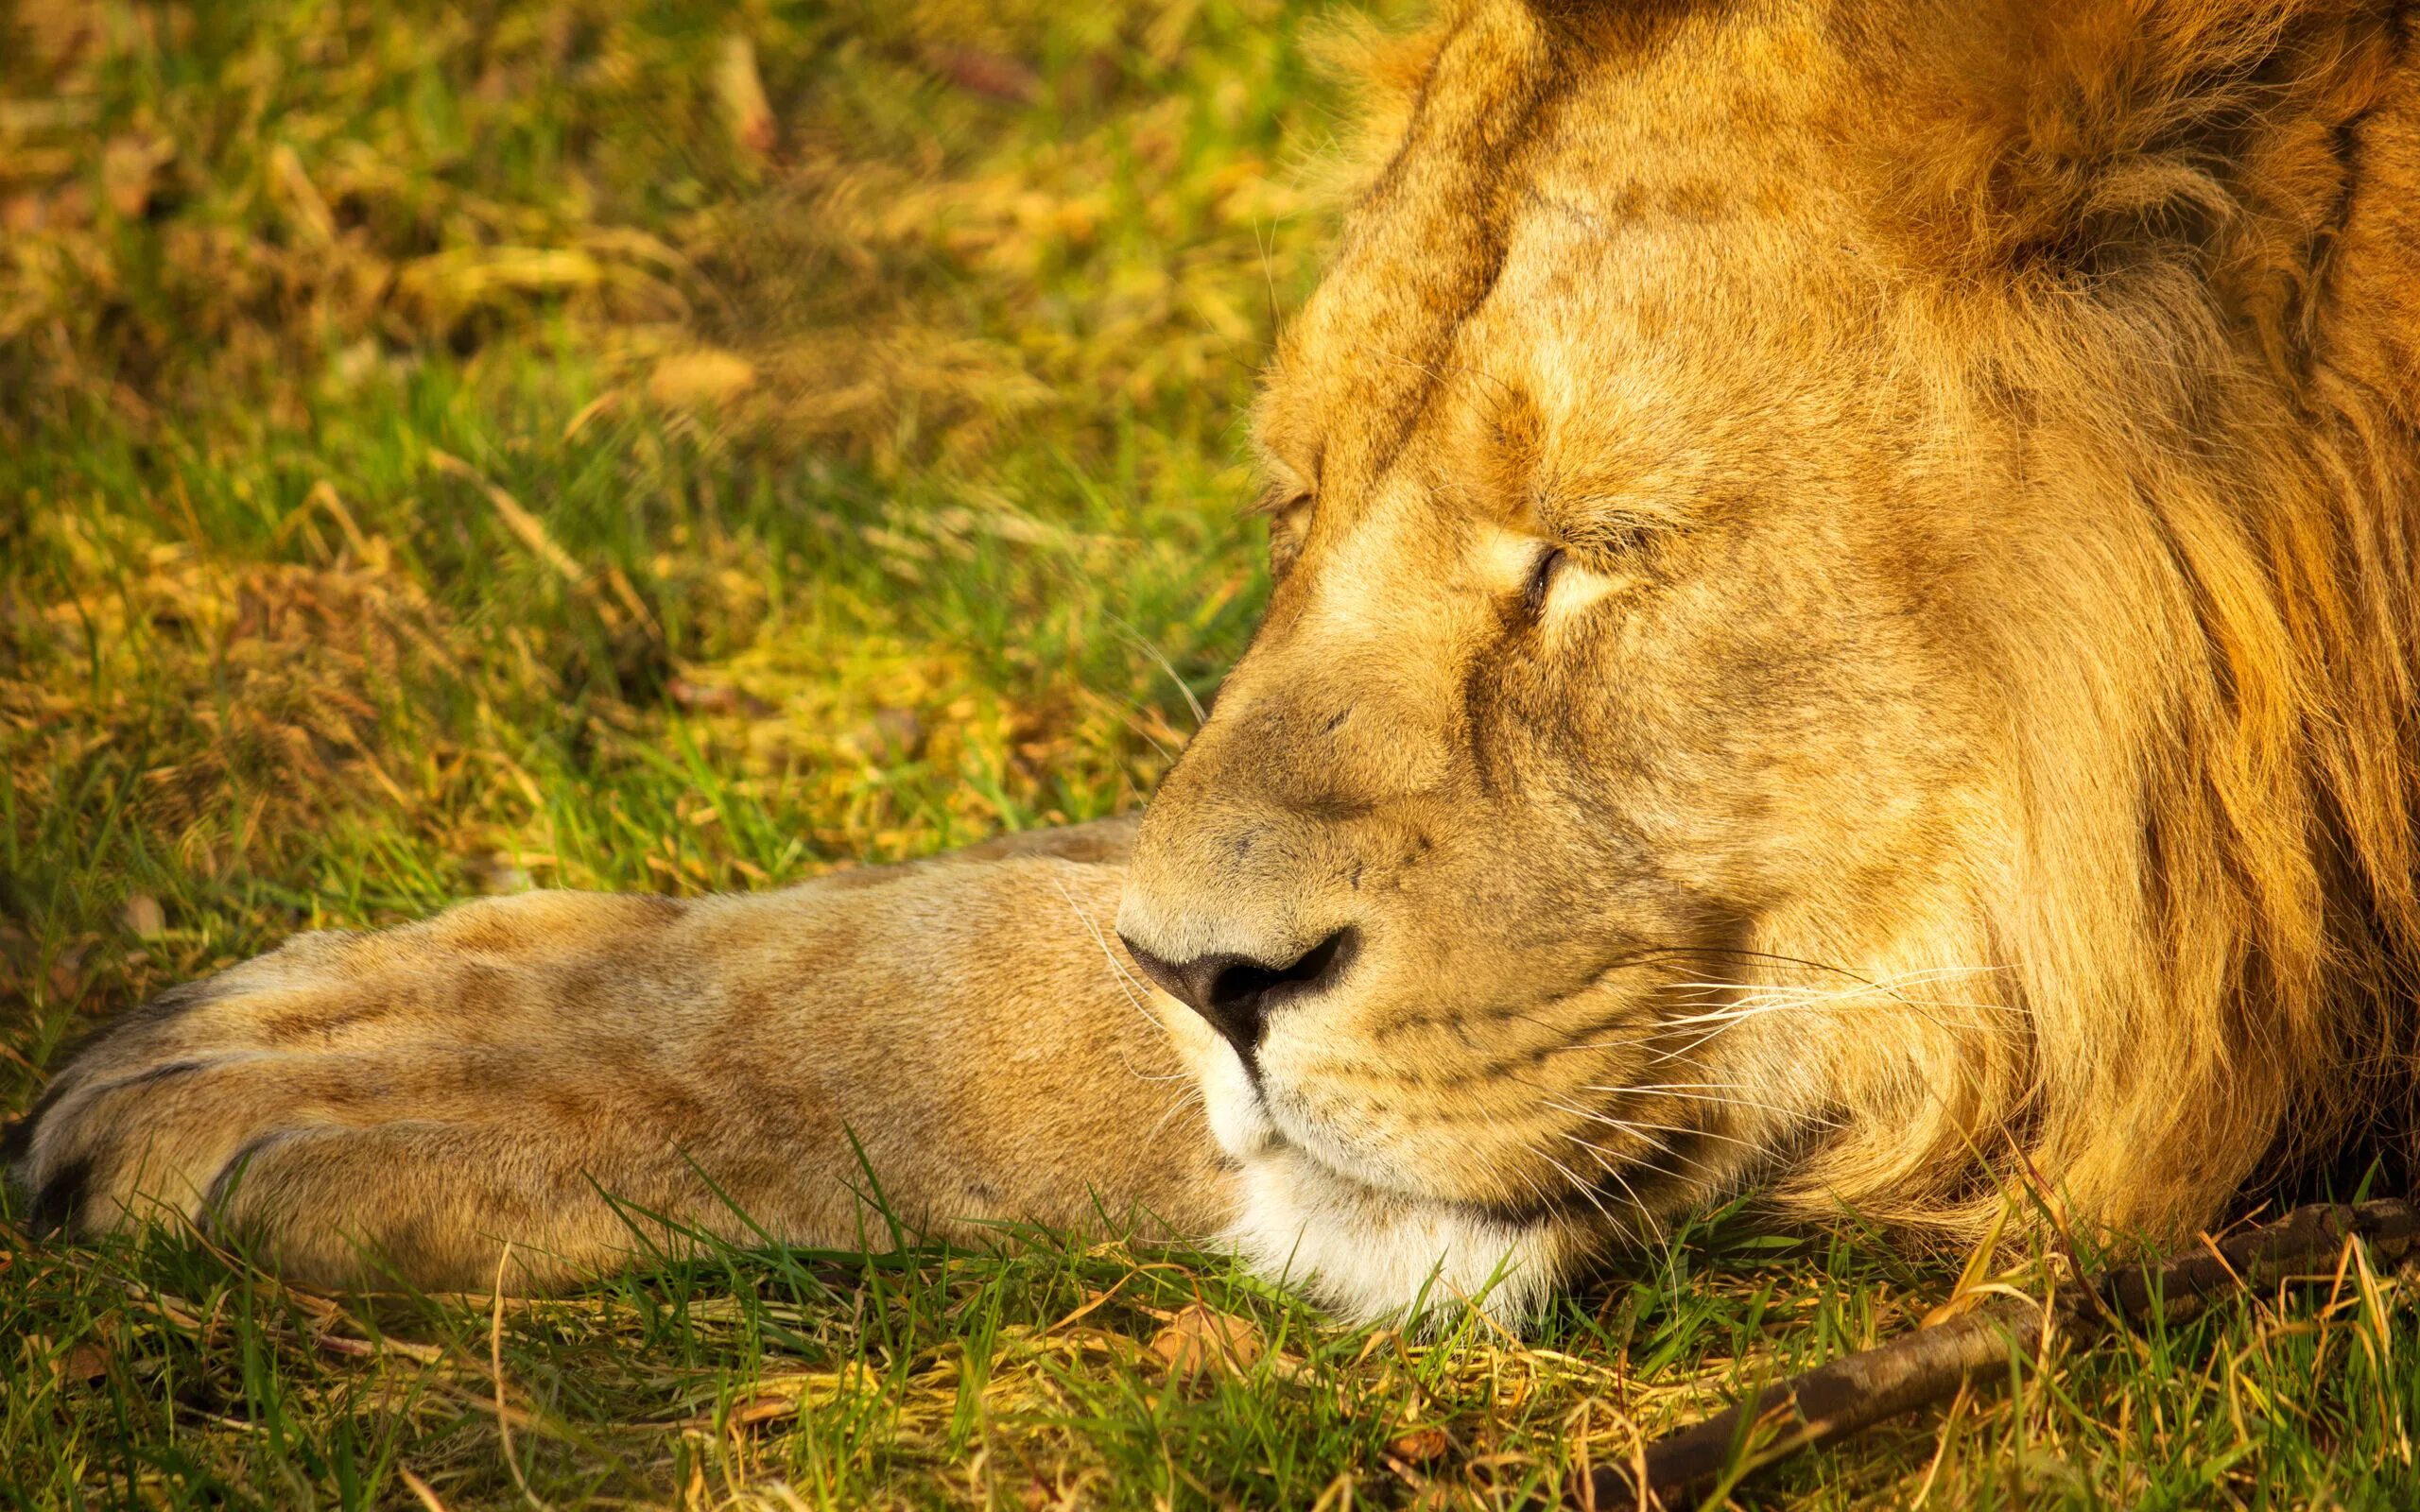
(495, 1365)
(420, 1489)
(531, 532)
(1859, 1390)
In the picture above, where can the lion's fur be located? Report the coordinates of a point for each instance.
(816, 1063)
(1972, 735)
(2118, 301)
(2179, 239)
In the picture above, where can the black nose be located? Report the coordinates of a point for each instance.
(1237, 993)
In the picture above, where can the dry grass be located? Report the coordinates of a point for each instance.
(626, 445)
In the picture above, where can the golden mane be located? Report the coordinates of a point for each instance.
(2191, 227)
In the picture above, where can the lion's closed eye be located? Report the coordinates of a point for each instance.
(1550, 563)
(1289, 521)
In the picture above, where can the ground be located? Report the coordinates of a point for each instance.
(448, 449)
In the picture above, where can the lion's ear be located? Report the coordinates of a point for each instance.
(2078, 137)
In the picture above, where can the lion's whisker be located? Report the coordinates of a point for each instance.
(1636, 1128)
(1747, 1001)
(1720, 1020)
(1585, 1189)
(1545, 1199)
(1754, 1000)
(1118, 973)
(1646, 1214)
(1718, 1102)
(1663, 1149)
(1652, 954)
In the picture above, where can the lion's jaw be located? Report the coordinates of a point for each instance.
(1371, 1252)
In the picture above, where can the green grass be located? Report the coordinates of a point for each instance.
(444, 448)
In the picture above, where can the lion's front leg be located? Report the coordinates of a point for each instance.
(553, 1070)
(415, 1098)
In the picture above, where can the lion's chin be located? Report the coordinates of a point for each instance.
(1374, 1255)
(1366, 1252)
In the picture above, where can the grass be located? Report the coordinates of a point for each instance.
(613, 444)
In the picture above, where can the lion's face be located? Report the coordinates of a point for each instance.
(1844, 614)
(1619, 666)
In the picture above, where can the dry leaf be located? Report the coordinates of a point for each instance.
(994, 75)
(700, 380)
(740, 89)
(891, 736)
(131, 171)
(755, 1410)
(143, 917)
(85, 1363)
(496, 874)
(67, 972)
(1199, 1340)
(717, 698)
(1420, 1446)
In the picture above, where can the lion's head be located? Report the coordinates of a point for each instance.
(1844, 618)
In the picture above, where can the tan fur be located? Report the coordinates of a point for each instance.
(414, 1097)
(1971, 730)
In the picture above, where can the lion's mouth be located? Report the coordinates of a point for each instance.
(1261, 1120)
(1377, 1182)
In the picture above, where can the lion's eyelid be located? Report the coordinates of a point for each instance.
(1542, 573)
(1284, 486)
(1610, 531)
(1277, 498)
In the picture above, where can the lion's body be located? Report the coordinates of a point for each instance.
(1846, 622)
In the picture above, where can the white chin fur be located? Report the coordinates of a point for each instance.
(1238, 1123)
(1373, 1256)
(1366, 1253)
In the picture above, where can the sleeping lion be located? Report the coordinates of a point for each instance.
(1843, 629)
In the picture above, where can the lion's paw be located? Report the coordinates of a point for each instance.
(349, 1107)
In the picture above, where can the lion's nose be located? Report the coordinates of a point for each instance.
(1237, 993)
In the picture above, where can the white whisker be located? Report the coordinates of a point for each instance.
(1638, 1129)
(1597, 1155)
(1745, 1001)
(1673, 1090)
(1117, 970)
(1583, 1188)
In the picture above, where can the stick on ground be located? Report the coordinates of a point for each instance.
(1859, 1390)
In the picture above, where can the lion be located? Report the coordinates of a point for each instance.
(1842, 629)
